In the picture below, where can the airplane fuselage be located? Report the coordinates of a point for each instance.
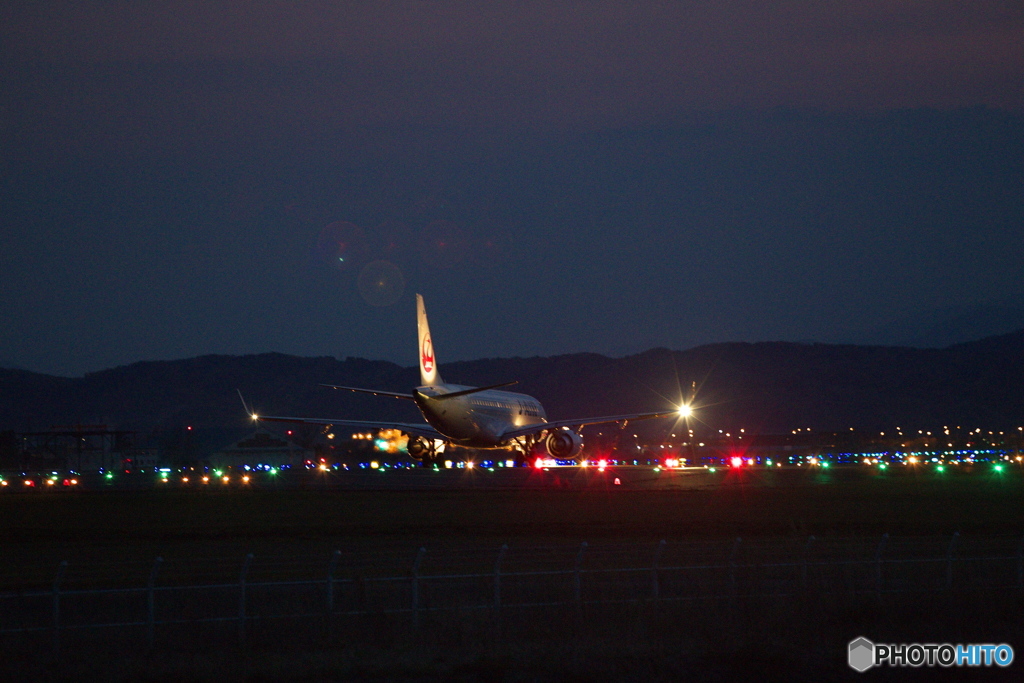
(477, 420)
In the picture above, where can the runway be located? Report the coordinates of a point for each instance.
(365, 477)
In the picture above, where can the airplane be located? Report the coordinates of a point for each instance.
(474, 417)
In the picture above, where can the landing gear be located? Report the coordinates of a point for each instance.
(524, 451)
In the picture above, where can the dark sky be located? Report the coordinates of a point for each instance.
(185, 178)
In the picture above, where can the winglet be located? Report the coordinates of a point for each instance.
(248, 410)
(429, 376)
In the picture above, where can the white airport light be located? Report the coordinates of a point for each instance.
(685, 411)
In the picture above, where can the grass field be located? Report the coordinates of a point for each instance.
(38, 531)
(114, 536)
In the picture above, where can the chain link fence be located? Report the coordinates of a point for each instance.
(471, 592)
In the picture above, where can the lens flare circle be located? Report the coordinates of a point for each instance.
(381, 283)
(342, 245)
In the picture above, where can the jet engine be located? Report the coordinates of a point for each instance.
(563, 444)
(422, 449)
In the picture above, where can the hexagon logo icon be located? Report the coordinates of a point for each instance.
(861, 654)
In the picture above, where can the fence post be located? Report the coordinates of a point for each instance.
(56, 604)
(878, 564)
(331, 566)
(416, 589)
(655, 587)
(497, 589)
(949, 560)
(497, 576)
(732, 563)
(151, 602)
(1020, 564)
(807, 552)
(577, 578)
(241, 598)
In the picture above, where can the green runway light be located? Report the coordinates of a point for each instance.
(711, 469)
(941, 468)
(999, 468)
(824, 465)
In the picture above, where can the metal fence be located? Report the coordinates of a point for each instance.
(353, 595)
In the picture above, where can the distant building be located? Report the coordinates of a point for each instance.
(81, 448)
(262, 448)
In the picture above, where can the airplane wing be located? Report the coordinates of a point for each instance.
(581, 422)
(375, 392)
(423, 430)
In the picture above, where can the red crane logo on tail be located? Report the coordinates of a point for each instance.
(427, 355)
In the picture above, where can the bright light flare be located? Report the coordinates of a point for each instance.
(685, 411)
(736, 461)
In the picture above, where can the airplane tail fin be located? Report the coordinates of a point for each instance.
(429, 375)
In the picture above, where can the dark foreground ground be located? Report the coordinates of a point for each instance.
(111, 537)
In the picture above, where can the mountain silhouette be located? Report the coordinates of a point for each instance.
(766, 387)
